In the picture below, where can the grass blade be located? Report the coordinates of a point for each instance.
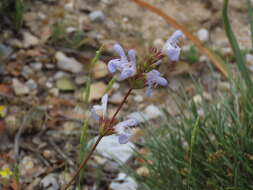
(234, 44)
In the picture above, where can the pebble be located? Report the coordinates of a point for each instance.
(116, 98)
(79, 80)
(197, 99)
(100, 70)
(54, 91)
(158, 43)
(138, 98)
(123, 182)
(49, 182)
(97, 90)
(69, 127)
(29, 40)
(5, 51)
(97, 16)
(31, 84)
(109, 147)
(19, 87)
(60, 74)
(26, 164)
(36, 66)
(68, 63)
(203, 35)
(139, 116)
(249, 58)
(65, 84)
(224, 86)
(111, 166)
(142, 171)
(49, 84)
(27, 72)
(152, 111)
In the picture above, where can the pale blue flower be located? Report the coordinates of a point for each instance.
(98, 111)
(154, 78)
(171, 47)
(124, 130)
(127, 65)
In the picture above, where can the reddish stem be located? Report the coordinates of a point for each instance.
(83, 163)
(96, 143)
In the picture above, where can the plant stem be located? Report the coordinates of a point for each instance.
(97, 142)
(83, 163)
(120, 106)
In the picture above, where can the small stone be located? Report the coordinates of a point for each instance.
(123, 182)
(50, 66)
(207, 96)
(79, 80)
(29, 40)
(249, 58)
(48, 154)
(69, 127)
(68, 63)
(197, 99)
(116, 98)
(49, 84)
(158, 43)
(60, 74)
(5, 51)
(97, 16)
(152, 111)
(65, 84)
(109, 147)
(203, 35)
(142, 171)
(138, 98)
(139, 116)
(54, 91)
(224, 86)
(19, 87)
(97, 90)
(100, 70)
(49, 182)
(111, 166)
(36, 66)
(27, 72)
(115, 86)
(31, 84)
(100, 160)
(26, 164)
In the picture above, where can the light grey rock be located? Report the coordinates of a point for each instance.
(203, 35)
(49, 182)
(123, 182)
(109, 147)
(36, 66)
(152, 112)
(19, 87)
(249, 58)
(29, 40)
(31, 84)
(5, 50)
(138, 98)
(97, 16)
(27, 72)
(68, 63)
(116, 98)
(139, 116)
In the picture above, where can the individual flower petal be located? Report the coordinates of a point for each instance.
(123, 129)
(119, 50)
(100, 110)
(127, 65)
(123, 139)
(132, 55)
(154, 78)
(171, 47)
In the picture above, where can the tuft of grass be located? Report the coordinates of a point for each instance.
(214, 151)
(12, 13)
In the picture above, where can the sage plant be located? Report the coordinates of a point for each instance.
(139, 75)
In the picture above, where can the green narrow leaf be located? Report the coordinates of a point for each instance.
(87, 91)
(250, 17)
(20, 8)
(233, 42)
(97, 56)
(110, 84)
